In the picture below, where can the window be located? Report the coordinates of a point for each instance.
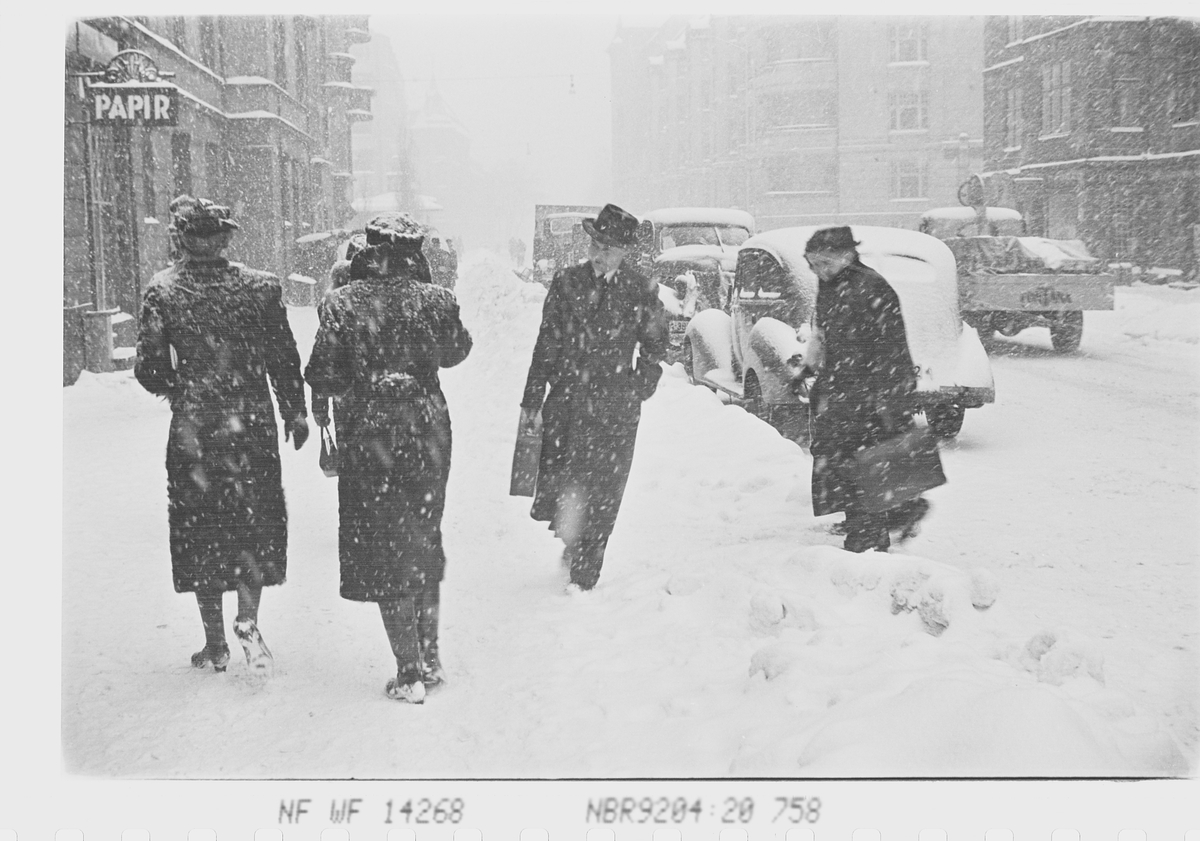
(1012, 119)
(279, 31)
(909, 111)
(214, 171)
(1016, 28)
(149, 174)
(208, 43)
(1128, 95)
(802, 173)
(799, 108)
(909, 177)
(907, 42)
(1183, 100)
(181, 162)
(1056, 98)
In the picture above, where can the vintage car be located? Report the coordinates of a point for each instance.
(755, 352)
(559, 239)
(692, 253)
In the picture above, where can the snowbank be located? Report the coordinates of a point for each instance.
(1156, 312)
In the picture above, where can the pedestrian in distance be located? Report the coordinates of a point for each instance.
(602, 335)
(863, 391)
(214, 337)
(381, 340)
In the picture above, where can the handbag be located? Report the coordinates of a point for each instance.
(896, 470)
(526, 455)
(329, 453)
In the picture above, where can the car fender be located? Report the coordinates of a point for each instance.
(710, 333)
(772, 344)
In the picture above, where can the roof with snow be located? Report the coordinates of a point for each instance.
(701, 216)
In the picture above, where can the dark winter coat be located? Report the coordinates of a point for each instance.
(585, 353)
(212, 333)
(378, 349)
(862, 393)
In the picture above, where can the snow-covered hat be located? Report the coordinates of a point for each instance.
(200, 217)
(394, 229)
(614, 226)
(836, 238)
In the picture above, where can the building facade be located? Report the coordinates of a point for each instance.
(799, 120)
(1092, 131)
(263, 120)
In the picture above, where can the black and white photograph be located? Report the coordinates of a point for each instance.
(617, 395)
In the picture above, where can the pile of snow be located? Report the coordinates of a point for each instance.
(730, 634)
(1156, 312)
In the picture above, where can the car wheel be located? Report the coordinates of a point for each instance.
(945, 419)
(1066, 331)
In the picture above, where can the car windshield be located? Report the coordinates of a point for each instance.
(727, 235)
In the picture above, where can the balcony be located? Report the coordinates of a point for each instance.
(340, 66)
(355, 97)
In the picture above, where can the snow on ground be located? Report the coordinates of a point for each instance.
(729, 635)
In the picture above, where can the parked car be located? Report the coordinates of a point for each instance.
(692, 253)
(559, 239)
(755, 352)
(1009, 281)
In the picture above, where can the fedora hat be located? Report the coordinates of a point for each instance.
(832, 239)
(613, 226)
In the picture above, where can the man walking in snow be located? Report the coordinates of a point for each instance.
(602, 336)
(862, 393)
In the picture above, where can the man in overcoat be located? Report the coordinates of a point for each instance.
(865, 379)
(603, 333)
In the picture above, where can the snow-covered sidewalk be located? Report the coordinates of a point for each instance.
(729, 634)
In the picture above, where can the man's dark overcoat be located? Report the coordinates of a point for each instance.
(378, 350)
(861, 396)
(212, 333)
(585, 350)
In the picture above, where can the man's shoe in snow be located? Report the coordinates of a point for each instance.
(216, 656)
(407, 687)
(574, 589)
(432, 674)
(258, 656)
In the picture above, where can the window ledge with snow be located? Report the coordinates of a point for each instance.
(1010, 149)
(910, 198)
(1188, 124)
(916, 63)
(799, 192)
(1126, 129)
(908, 131)
(1056, 136)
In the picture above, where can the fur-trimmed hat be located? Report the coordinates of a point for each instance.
(394, 228)
(200, 217)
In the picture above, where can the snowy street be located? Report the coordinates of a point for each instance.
(1044, 623)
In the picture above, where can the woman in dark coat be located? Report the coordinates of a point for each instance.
(382, 339)
(595, 317)
(863, 391)
(212, 334)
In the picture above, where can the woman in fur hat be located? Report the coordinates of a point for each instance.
(382, 339)
(214, 338)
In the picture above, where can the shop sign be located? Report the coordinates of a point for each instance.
(132, 91)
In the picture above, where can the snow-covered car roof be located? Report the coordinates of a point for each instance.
(919, 267)
(726, 257)
(966, 214)
(701, 216)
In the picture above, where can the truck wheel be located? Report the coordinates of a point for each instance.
(1066, 331)
(982, 322)
(945, 419)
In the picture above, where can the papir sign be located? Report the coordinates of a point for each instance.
(137, 106)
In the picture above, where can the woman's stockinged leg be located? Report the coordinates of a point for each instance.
(400, 623)
(216, 650)
(245, 628)
(249, 595)
(427, 630)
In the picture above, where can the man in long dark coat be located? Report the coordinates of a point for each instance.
(212, 334)
(862, 393)
(597, 315)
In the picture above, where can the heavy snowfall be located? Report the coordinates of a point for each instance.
(1043, 623)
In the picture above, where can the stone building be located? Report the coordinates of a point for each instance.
(799, 120)
(1092, 130)
(263, 120)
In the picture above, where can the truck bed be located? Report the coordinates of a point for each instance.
(1036, 292)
